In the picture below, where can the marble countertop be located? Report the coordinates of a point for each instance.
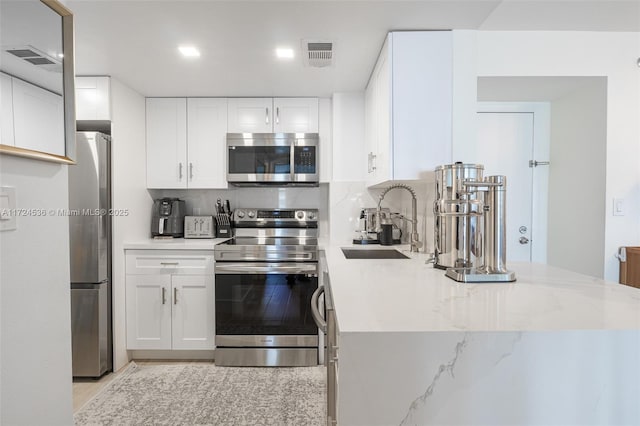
(174, 244)
(409, 295)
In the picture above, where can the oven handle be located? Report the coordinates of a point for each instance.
(315, 310)
(266, 268)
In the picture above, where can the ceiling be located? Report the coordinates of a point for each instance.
(136, 41)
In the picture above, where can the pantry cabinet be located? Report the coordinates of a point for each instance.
(93, 98)
(408, 107)
(169, 300)
(186, 142)
(273, 115)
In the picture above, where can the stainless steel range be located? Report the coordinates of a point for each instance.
(265, 278)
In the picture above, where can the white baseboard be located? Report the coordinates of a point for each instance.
(184, 355)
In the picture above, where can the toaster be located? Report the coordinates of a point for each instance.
(199, 227)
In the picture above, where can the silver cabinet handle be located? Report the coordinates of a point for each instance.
(169, 263)
(315, 311)
(278, 115)
(523, 240)
(175, 295)
(164, 295)
(180, 171)
(266, 116)
(190, 171)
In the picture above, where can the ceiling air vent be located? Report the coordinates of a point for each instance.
(318, 54)
(35, 57)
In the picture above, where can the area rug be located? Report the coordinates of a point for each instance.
(203, 394)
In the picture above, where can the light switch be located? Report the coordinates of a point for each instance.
(7, 208)
(618, 206)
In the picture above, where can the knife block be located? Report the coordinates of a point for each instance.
(223, 226)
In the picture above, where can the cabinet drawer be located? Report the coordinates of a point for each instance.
(169, 262)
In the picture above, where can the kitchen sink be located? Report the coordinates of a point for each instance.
(373, 254)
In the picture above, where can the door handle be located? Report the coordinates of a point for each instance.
(315, 311)
(266, 116)
(523, 240)
(180, 171)
(190, 171)
(164, 295)
(278, 115)
(175, 295)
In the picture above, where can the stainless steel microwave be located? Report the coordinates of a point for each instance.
(255, 159)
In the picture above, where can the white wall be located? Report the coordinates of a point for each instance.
(35, 309)
(576, 237)
(349, 145)
(610, 55)
(129, 193)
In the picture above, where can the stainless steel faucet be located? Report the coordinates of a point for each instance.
(415, 239)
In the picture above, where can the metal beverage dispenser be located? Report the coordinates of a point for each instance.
(458, 217)
(470, 226)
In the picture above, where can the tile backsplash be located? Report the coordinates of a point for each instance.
(203, 201)
(339, 205)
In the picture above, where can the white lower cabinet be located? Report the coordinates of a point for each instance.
(170, 301)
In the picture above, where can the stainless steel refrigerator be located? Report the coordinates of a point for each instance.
(90, 244)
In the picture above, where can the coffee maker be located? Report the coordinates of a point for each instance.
(369, 225)
(167, 218)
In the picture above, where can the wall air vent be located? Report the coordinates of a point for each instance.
(318, 54)
(35, 57)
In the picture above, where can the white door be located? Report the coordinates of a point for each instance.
(506, 142)
(193, 304)
(148, 306)
(206, 142)
(509, 136)
(295, 115)
(166, 143)
(250, 115)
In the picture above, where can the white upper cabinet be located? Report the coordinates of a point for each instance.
(166, 143)
(250, 115)
(273, 115)
(38, 118)
(206, 139)
(295, 115)
(409, 106)
(6, 110)
(93, 100)
(186, 142)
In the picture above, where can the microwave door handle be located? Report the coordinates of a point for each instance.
(292, 153)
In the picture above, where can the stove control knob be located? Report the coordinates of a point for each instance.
(300, 214)
(251, 214)
(311, 215)
(240, 214)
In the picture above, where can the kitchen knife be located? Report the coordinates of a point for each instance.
(219, 206)
(227, 207)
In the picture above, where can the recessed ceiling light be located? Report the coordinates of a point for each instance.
(189, 51)
(284, 53)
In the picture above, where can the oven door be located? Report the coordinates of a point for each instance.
(265, 304)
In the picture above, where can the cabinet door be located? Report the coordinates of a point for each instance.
(38, 118)
(93, 98)
(148, 306)
(422, 102)
(295, 115)
(6, 110)
(384, 153)
(206, 142)
(193, 312)
(250, 115)
(167, 143)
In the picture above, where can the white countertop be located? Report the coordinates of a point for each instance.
(408, 295)
(174, 244)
